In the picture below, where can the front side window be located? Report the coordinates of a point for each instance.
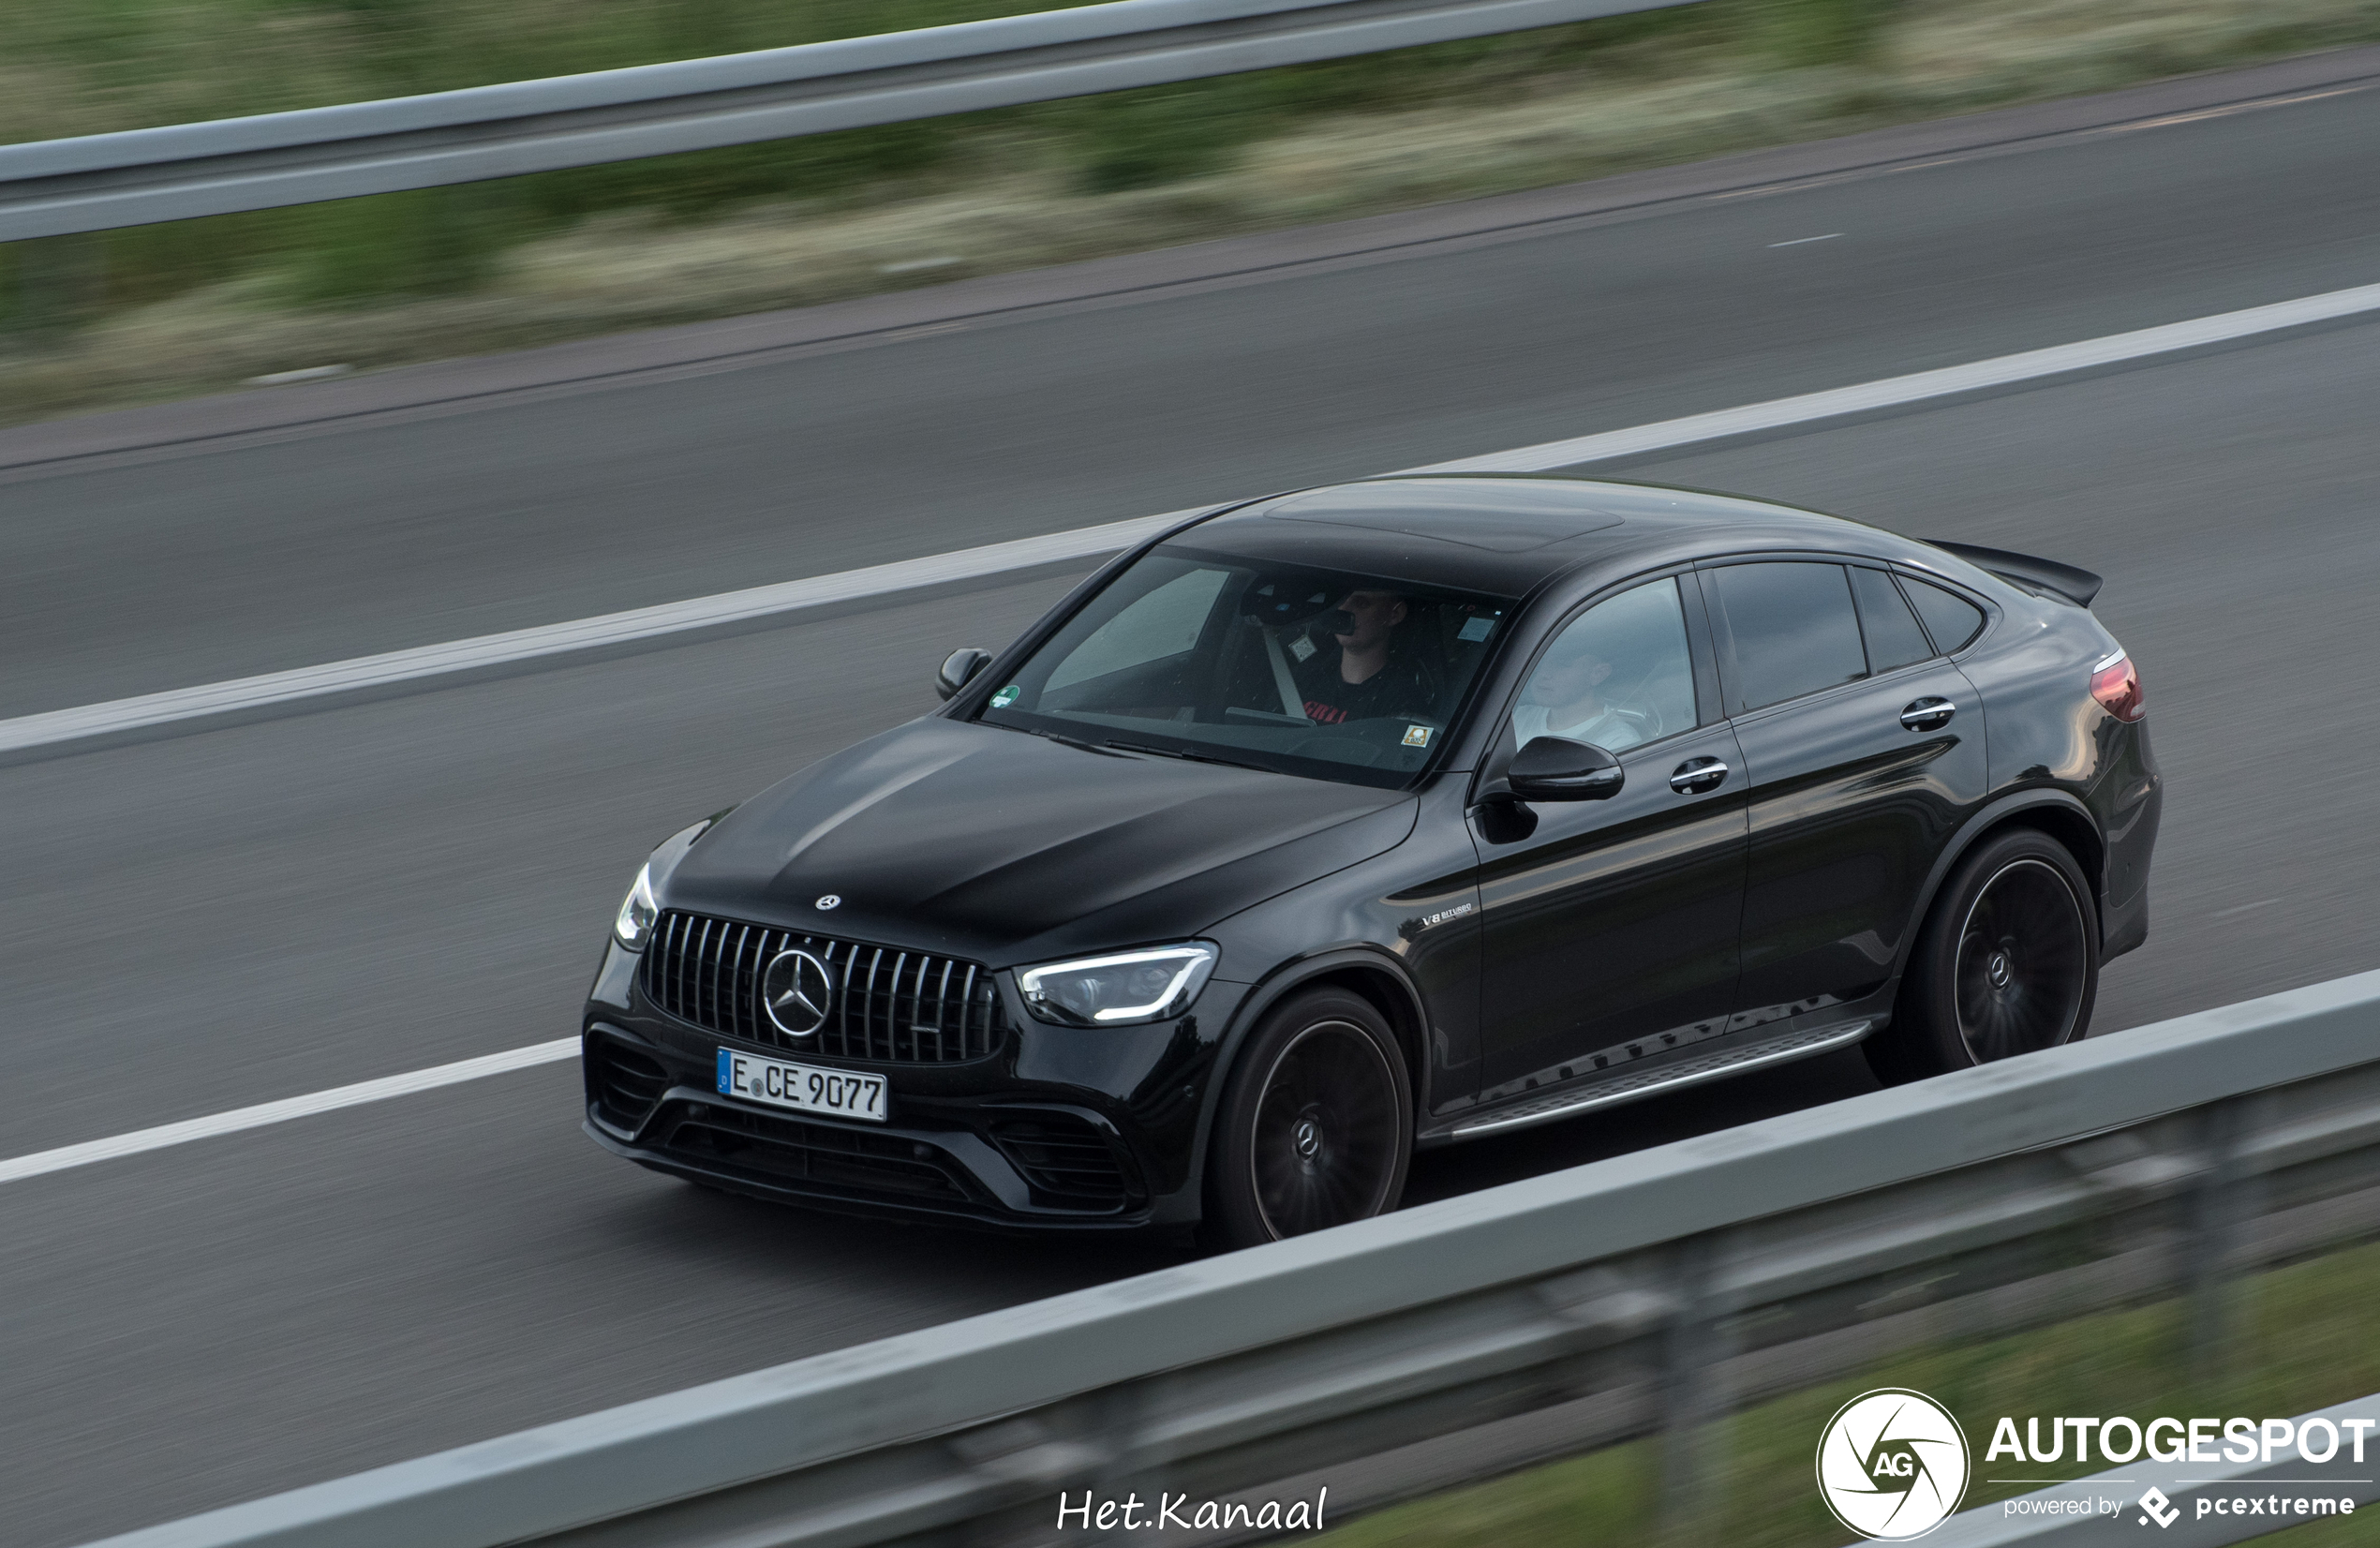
(1792, 628)
(1326, 674)
(1618, 674)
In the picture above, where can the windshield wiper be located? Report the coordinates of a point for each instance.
(1192, 758)
(1066, 741)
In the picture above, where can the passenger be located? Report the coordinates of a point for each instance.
(1359, 676)
(1566, 699)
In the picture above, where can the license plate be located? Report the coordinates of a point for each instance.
(779, 1084)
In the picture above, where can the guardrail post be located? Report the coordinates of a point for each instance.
(1103, 1441)
(1036, 1460)
(2217, 1210)
(1691, 1399)
(51, 283)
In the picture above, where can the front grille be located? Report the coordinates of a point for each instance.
(625, 1082)
(762, 1145)
(895, 1006)
(1064, 1157)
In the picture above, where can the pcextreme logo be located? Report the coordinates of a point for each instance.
(1892, 1465)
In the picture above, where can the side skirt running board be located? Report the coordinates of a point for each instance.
(1690, 1072)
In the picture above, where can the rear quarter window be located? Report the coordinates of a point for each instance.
(1951, 618)
(1894, 639)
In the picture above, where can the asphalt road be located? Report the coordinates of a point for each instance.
(129, 580)
(219, 919)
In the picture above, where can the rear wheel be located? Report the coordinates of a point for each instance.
(1316, 1127)
(2007, 963)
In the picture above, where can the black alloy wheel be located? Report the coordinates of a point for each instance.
(2023, 962)
(1316, 1129)
(2007, 963)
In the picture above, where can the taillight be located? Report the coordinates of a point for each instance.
(2116, 687)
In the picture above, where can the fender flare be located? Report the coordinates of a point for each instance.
(1270, 991)
(1993, 813)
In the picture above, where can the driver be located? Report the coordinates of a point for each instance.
(1566, 699)
(1357, 676)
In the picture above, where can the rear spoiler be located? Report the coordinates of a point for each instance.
(2075, 586)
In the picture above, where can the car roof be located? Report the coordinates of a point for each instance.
(1509, 534)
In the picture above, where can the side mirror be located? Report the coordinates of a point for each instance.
(961, 665)
(1551, 769)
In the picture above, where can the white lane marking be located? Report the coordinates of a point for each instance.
(1799, 240)
(610, 629)
(2226, 110)
(16, 1168)
(437, 660)
(306, 373)
(1892, 392)
(2227, 913)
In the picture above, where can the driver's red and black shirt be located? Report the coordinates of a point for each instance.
(1397, 689)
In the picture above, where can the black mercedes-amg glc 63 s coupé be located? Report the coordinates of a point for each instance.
(1382, 815)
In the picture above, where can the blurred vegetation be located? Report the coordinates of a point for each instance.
(2309, 1337)
(152, 312)
(88, 67)
(1801, 33)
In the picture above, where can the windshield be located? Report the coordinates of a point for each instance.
(1323, 672)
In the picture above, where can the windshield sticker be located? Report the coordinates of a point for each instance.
(1475, 629)
(1005, 697)
(1301, 647)
(1416, 735)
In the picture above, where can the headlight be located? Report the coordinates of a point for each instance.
(636, 916)
(1118, 990)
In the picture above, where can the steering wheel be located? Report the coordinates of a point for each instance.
(1633, 704)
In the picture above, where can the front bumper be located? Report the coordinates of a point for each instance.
(1061, 1129)
(984, 1164)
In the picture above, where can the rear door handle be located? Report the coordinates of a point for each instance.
(1697, 774)
(1928, 714)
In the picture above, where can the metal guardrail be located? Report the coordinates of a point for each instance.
(137, 176)
(1648, 1292)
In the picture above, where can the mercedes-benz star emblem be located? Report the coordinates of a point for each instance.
(796, 990)
(832, 900)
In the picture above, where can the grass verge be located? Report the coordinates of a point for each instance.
(167, 310)
(2309, 1336)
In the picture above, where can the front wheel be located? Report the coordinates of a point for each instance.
(1316, 1126)
(2007, 963)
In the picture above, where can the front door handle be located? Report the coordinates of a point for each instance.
(1697, 774)
(1928, 714)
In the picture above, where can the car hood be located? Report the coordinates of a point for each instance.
(1003, 847)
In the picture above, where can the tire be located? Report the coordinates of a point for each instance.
(2007, 963)
(1315, 1127)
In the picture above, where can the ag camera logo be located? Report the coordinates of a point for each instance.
(1892, 1465)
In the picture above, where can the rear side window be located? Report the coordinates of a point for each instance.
(1792, 630)
(1951, 618)
(1894, 639)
